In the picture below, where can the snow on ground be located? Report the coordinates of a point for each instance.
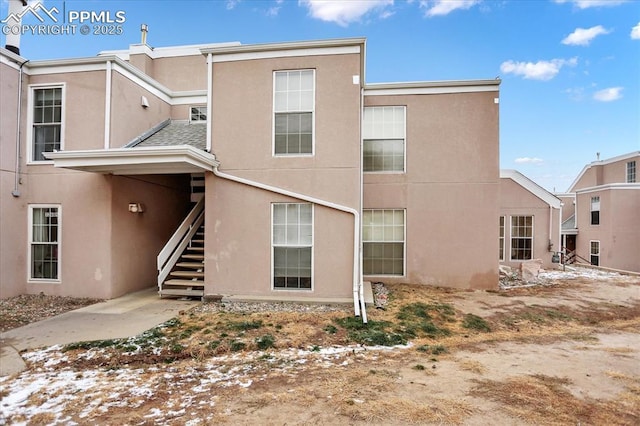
(573, 272)
(48, 390)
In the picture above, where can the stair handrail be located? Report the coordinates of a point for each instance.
(171, 252)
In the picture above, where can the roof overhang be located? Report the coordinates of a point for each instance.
(532, 187)
(136, 161)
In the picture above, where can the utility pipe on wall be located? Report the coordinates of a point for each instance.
(358, 291)
(16, 189)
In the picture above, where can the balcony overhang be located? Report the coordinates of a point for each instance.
(136, 161)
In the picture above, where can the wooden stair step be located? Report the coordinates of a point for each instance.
(193, 256)
(181, 292)
(187, 274)
(197, 241)
(184, 283)
(191, 265)
(195, 248)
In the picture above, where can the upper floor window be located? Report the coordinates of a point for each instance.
(631, 172)
(521, 237)
(595, 210)
(293, 106)
(44, 242)
(47, 118)
(383, 133)
(198, 114)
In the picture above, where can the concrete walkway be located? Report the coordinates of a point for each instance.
(124, 316)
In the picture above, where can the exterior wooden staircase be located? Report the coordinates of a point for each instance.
(181, 261)
(186, 278)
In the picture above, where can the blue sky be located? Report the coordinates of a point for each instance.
(570, 69)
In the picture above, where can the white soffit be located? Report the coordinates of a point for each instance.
(136, 161)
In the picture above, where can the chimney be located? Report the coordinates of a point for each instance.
(597, 156)
(14, 20)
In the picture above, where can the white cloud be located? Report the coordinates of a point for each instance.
(585, 4)
(344, 12)
(528, 160)
(584, 36)
(444, 7)
(273, 11)
(635, 32)
(608, 95)
(231, 4)
(541, 70)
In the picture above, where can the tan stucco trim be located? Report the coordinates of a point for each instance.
(136, 161)
(431, 87)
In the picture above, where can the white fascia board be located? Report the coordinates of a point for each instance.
(602, 163)
(431, 87)
(532, 187)
(9, 58)
(608, 187)
(166, 52)
(320, 51)
(172, 159)
(189, 98)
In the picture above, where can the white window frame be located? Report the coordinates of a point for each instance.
(404, 140)
(31, 104)
(591, 254)
(502, 238)
(512, 237)
(30, 242)
(404, 242)
(273, 246)
(632, 172)
(595, 207)
(199, 107)
(274, 112)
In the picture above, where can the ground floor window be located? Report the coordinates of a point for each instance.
(383, 236)
(595, 253)
(44, 242)
(501, 238)
(521, 237)
(292, 245)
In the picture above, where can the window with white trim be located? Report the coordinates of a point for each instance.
(383, 237)
(198, 114)
(383, 133)
(292, 245)
(631, 172)
(501, 237)
(521, 237)
(594, 251)
(595, 210)
(44, 242)
(46, 119)
(293, 106)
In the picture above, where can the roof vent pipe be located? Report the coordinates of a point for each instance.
(144, 29)
(14, 21)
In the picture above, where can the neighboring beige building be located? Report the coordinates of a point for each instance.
(602, 224)
(269, 171)
(529, 221)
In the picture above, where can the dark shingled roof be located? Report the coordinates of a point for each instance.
(172, 133)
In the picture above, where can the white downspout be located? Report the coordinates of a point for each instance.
(360, 259)
(16, 187)
(357, 285)
(107, 107)
(209, 100)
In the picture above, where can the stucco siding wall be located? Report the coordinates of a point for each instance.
(128, 118)
(136, 239)
(181, 73)
(238, 245)
(450, 189)
(243, 130)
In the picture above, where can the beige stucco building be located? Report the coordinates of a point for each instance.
(601, 220)
(270, 171)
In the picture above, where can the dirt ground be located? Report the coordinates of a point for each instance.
(567, 352)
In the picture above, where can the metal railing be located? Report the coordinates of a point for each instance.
(179, 241)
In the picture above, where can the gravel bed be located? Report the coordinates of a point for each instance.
(249, 307)
(27, 308)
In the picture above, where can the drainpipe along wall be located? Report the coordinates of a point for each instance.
(16, 188)
(358, 291)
